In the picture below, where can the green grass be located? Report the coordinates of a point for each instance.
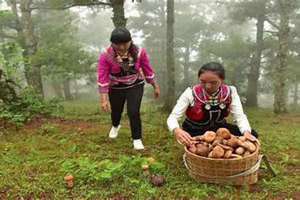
(35, 159)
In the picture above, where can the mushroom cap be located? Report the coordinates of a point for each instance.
(240, 150)
(233, 142)
(209, 136)
(157, 180)
(145, 167)
(228, 153)
(218, 152)
(224, 133)
(202, 150)
(69, 178)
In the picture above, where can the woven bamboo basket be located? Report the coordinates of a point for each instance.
(237, 171)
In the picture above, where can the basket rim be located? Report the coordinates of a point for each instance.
(223, 159)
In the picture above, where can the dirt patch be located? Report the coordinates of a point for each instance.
(285, 196)
(290, 118)
(118, 197)
(45, 196)
(293, 170)
(64, 125)
(4, 194)
(6, 125)
(296, 195)
(255, 188)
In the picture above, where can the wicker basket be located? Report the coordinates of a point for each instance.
(238, 171)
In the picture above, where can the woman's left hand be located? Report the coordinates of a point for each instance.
(156, 91)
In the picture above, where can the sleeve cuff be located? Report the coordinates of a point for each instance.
(150, 81)
(103, 89)
(171, 129)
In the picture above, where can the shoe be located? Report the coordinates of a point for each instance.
(114, 132)
(138, 145)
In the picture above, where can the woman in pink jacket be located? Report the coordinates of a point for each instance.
(122, 71)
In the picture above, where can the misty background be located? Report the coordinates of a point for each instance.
(54, 46)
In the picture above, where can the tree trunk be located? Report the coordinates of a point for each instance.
(118, 18)
(76, 88)
(67, 90)
(170, 56)
(253, 76)
(280, 75)
(162, 44)
(57, 89)
(186, 66)
(32, 70)
(296, 93)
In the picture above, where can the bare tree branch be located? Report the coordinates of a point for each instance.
(64, 7)
(272, 23)
(272, 32)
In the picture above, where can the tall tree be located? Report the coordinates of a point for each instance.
(253, 76)
(23, 24)
(170, 56)
(242, 11)
(280, 75)
(118, 18)
(32, 70)
(152, 22)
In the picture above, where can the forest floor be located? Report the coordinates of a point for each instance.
(36, 158)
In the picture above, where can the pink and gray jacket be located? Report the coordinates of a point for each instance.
(108, 65)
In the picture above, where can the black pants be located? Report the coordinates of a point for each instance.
(133, 96)
(195, 130)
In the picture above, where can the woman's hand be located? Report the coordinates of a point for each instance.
(251, 137)
(156, 90)
(104, 102)
(183, 137)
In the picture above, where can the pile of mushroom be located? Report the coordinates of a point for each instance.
(223, 145)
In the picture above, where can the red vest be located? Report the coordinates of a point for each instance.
(197, 112)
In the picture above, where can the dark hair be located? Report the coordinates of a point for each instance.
(213, 67)
(120, 35)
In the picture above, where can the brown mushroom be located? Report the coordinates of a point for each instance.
(240, 143)
(233, 142)
(217, 141)
(202, 150)
(225, 147)
(205, 143)
(218, 152)
(209, 136)
(223, 133)
(243, 138)
(228, 153)
(145, 167)
(225, 142)
(157, 180)
(69, 179)
(249, 146)
(192, 148)
(240, 151)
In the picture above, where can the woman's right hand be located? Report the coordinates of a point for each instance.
(183, 137)
(104, 102)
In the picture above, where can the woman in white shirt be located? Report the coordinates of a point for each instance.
(206, 106)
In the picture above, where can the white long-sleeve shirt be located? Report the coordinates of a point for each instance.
(187, 99)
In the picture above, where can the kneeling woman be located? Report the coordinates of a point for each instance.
(206, 106)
